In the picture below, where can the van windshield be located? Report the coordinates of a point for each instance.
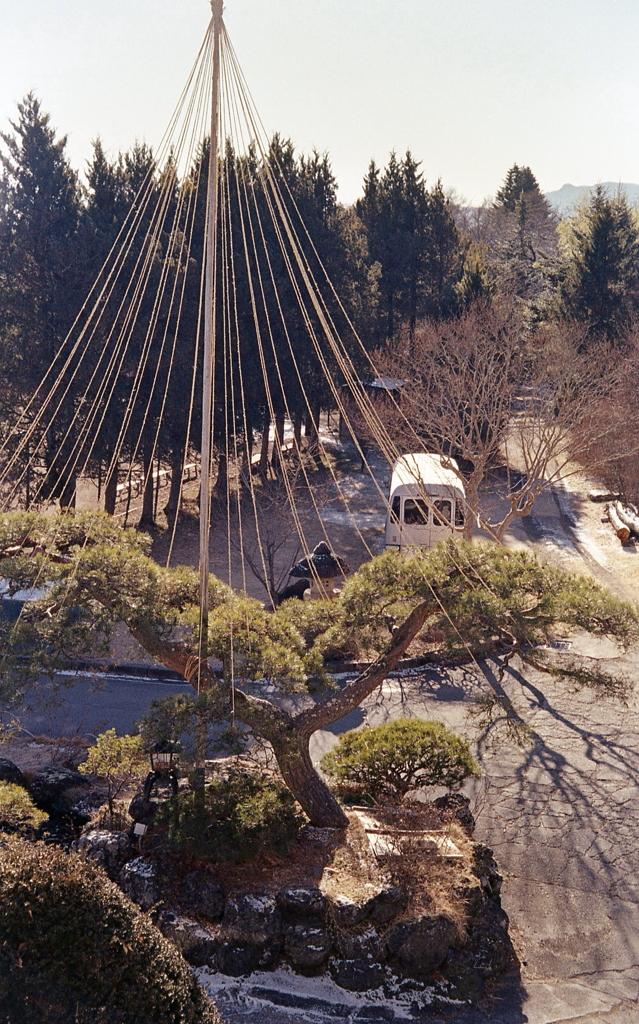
(415, 512)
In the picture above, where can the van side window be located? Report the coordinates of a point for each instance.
(442, 512)
(459, 514)
(415, 512)
(395, 509)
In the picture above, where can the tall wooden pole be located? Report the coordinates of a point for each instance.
(209, 331)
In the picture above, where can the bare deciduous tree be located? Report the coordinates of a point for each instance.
(482, 392)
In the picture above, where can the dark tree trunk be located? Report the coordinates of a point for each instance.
(68, 492)
(278, 441)
(147, 521)
(312, 424)
(247, 450)
(264, 447)
(297, 430)
(172, 507)
(111, 491)
(221, 482)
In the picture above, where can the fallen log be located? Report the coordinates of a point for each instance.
(627, 517)
(601, 496)
(622, 531)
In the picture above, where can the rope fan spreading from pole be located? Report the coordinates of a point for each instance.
(211, 337)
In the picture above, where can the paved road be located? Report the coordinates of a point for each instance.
(86, 705)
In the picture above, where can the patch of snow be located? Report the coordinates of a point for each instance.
(583, 537)
(320, 835)
(142, 868)
(258, 903)
(317, 998)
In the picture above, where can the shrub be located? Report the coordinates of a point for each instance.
(76, 949)
(119, 760)
(235, 818)
(401, 755)
(18, 813)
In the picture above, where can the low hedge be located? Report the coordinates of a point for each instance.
(74, 948)
(234, 819)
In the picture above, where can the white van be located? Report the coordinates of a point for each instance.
(426, 502)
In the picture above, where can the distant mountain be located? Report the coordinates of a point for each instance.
(564, 199)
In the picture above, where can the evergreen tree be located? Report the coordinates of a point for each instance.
(443, 262)
(475, 283)
(602, 244)
(522, 239)
(42, 275)
(37, 240)
(519, 181)
(412, 235)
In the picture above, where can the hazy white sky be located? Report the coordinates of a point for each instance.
(470, 86)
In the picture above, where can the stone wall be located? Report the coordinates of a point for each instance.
(370, 944)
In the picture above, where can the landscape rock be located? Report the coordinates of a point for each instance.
(460, 806)
(358, 975)
(360, 964)
(56, 789)
(196, 943)
(302, 900)
(251, 917)
(250, 934)
(84, 808)
(109, 849)
(489, 944)
(203, 895)
(139, 881)
(386, 905)
(307, 943)
(142, 810)
(465, 981)
(487, 871)
(487, 953)
(421, 946)
(241, 958)
(347, 912)
(9, 772)
(473, 896)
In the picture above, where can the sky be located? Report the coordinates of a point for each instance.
(469, 86)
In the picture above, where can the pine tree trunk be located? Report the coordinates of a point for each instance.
(172, 507)
(68, 493)
(288, 734)
(221, 482)
(111, 491)
(264, 448)
(312, 423)
(146, 520)
(311, 792)
(278, 441)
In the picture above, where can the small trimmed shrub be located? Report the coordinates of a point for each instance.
(235, 819)
(18, 813)
(74, 948)
(405, 754)
(119, 760)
